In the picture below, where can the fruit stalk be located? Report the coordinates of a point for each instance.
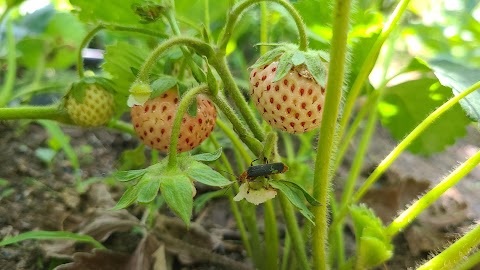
(407, 216)
(98, 28)
(85, 41)
(53, 112)
(252, 143)
(237, 10)
(326, 143)
(220, 64)
(201, 47)
(187, 99)
(455, 253)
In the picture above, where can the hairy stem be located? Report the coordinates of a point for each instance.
(6, 92)
(53, 112)
(294, 231)
(407, 216)
(238, 9)
(253, 144)
(470, 262)
(234, 204)
(189, 97)
(200, 46)
(409, 139)
(237, 143)
(387, 161)
(111, 27)
(85, 41)
(456, 252)
(326, 145)
(170, 14)
(369, 63)
(220, 64)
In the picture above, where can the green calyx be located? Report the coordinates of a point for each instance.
(290, 57)
(78, 89)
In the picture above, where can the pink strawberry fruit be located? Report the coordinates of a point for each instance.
(153, 122)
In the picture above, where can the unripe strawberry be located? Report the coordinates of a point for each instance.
(293, 104)
(286, 92)
(89, 104)
(153, 122)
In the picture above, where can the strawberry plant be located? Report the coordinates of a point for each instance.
(199, 103)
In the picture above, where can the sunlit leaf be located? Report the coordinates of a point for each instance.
(459, 77)
(406, 105)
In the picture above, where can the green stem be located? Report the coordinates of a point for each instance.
(206, 16)
(252, 143)
(187, 99)
(455, 252)
(387, 161)
(237, 10)
(53, 112)
(237, 143)
(200, 46)
(6, 92)
(170, 14)
(336, 74)
(409, 139)
(470, 262)
(271, 228)
(233, 204)
(287, 246)
(407, 216)
(294, 231)
(85, 41)
(263, 27)
(122, 126)
(368, 65)
(271, 236)
(220, 64)
(342, 150)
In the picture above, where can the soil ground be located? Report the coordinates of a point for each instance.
(39, 195)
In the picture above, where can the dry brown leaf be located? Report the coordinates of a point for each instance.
(387, 200)
(98, 260)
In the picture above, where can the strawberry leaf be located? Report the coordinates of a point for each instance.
(407, 104)
(298, 58)
(150, 184)
(162, 85)
(284, 65)
(308, 197)
(208, 156)
(295, 197)
(317, 68)
(177, 189)
(128, 198)
(459, 77)
(125, 176)
(373, 245)
(268, 57)
(206, 175)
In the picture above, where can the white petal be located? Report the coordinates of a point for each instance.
(137, 99)
(255, 196)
